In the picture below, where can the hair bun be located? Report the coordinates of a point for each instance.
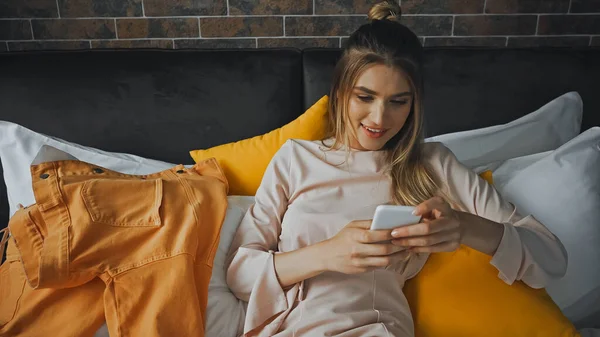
(386, 10)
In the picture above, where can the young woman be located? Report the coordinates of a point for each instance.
(304, 258)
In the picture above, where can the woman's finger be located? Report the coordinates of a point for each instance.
(381, 249)
(428, 240)
(423, 228)
(429, 205)
(372, 236)
(427, 227)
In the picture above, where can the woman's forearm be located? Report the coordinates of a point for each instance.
(481, 234)
(299, 265)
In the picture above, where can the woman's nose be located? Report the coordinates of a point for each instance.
(378, 114)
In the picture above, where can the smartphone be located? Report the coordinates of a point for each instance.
(393, 216)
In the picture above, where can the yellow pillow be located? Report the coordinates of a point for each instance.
(459, 294)
(487, 176)
(244, 162)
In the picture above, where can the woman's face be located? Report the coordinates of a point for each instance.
(378, 108)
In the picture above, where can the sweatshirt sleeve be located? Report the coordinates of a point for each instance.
(528, 251)
(250, 269)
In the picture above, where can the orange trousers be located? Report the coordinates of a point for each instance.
(134, 251)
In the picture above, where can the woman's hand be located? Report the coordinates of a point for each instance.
(440, 229)
(357, 249)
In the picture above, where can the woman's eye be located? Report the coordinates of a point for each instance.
(365, 98)
(400, 102)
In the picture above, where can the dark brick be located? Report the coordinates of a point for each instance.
(344, 6)
(185, 7)
(48, 45)
(465, 42)
(3, 46)
(99, 8)
(585, 6)
(596, 41)
(269, 7)
(495, 25)
(322, 25)
(74, 29)
(548, 41)
(215, 43)
(299, 43)
(569, 24)
(15, 30)
(128, 44)
(241, 27)
(429, 25)
(157, 28)
(442, 6)
(28, 9)
(526, 6)
(345, 39)
(346, 25)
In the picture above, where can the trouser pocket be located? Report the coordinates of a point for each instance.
(124, 202)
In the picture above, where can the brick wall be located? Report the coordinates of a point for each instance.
(84, 24)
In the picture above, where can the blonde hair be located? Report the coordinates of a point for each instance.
(385, 11)
(385, 41)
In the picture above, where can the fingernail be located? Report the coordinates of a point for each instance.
(414, 212)
(394, 233)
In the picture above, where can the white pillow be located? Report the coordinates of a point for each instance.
(562, 190)
(542, 130)
(503, 170)
(20, 147)
(228, 305)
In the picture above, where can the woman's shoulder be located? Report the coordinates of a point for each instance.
(437, 154)
(298, 148)
(443, 162)
(307, 143)
(292, 144)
